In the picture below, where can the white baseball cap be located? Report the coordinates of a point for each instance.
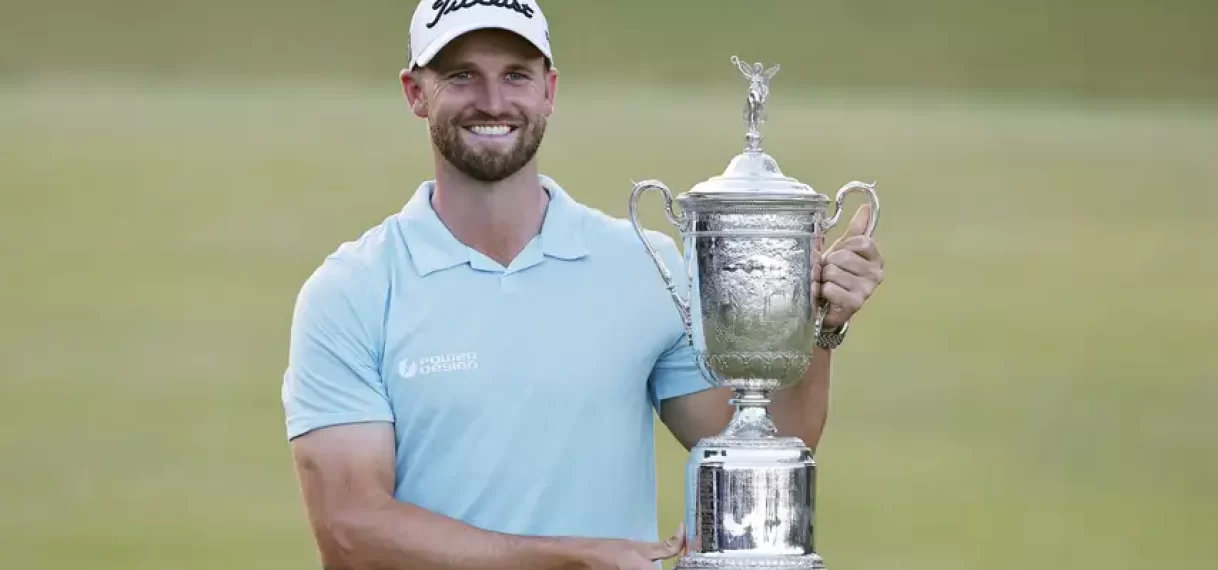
(438, 22)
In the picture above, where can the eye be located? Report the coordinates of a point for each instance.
(516, 76)
(460, 76)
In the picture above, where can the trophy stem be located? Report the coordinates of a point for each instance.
(752, 417)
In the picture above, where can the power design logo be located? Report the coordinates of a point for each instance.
(451, 362)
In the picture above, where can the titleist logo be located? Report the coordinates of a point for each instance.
(445, 7)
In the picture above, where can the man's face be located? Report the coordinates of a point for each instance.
(486, 96)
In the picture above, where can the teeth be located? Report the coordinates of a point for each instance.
(491, 130)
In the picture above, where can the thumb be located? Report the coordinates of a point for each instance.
(667, 549)
(858, 225)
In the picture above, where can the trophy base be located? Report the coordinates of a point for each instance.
(750, 497)
(720, 562)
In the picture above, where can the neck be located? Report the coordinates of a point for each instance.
(495, 218)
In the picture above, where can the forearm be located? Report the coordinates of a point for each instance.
(801, 410)
(391, 535)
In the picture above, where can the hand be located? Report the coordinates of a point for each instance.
(849, 272)
(629, 554)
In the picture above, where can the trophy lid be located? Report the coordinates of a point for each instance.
(753, 175)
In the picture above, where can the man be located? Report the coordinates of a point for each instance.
(471, 383)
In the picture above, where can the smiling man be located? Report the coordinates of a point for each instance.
(471, 383)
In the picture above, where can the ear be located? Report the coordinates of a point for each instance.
(551, 89)
(413, 91)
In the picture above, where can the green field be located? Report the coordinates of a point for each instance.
(1030, 388)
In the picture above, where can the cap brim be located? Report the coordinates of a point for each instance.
(425, 56)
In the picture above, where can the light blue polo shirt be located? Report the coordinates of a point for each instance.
(522, 397)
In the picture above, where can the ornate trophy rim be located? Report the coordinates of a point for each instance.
(754, 177)
(723, 441)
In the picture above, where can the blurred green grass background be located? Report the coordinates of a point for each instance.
(1029, 387)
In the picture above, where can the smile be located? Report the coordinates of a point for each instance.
(491, 130)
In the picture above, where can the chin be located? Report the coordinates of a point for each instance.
(489, 177)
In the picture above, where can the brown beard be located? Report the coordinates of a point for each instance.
(487, 166)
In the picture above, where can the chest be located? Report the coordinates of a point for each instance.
(463, 346)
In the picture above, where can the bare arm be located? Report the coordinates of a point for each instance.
(800, 410)
(346, 476)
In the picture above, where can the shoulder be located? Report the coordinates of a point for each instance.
(605, 233)
(355, 275)
(616, 240)
(618, 234)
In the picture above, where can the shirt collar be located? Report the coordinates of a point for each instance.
(433, 248)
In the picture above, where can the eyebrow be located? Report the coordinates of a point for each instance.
(519, 67)
(456, 65)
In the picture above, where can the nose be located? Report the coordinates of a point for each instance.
(492, 100)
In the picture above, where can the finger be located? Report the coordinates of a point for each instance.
(844, 290)
(841, 299)
(846, 281)
(862, 245)
(818, 265)
(661, 551)
(842, 306)
(667, 549)
(852, 262)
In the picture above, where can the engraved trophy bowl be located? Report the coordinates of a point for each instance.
(752, 317)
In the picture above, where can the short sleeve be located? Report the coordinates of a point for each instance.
(676, 372)
(333, 376)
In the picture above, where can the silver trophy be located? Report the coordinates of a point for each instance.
(753, 320)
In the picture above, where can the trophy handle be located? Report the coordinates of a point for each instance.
(856, 186)
(822, 308)
(677, 220)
